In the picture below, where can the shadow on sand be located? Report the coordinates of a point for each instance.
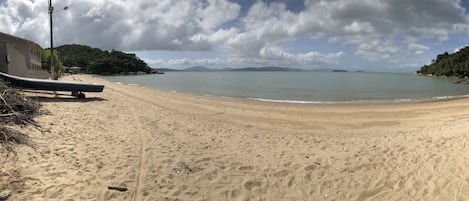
(46, 96)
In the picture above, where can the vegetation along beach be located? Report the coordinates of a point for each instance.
(216, 100)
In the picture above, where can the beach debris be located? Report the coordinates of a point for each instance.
(15, 109)
(182, 168)
(10, 137)
(4, 195)
(121, 189)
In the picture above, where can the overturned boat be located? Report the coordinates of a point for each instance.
(77, 88)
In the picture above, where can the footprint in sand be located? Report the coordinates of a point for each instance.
(291, 182)
(281, 173)
(250, 184)
(311, 167)
(246, 168)
(236, 193)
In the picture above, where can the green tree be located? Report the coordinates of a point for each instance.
(45, 61)
(455, 64)
(97, 61)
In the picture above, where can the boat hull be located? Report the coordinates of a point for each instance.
(51, 85)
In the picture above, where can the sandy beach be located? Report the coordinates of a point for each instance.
(169, 146)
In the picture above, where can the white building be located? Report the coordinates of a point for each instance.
(20, 57)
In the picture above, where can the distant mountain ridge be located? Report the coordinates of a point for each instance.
(199, 68)
(249, 69)
(166, 69)
(206, 69)
(267, 68)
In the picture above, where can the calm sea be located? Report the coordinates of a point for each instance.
(303, 87)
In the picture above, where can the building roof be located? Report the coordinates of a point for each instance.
(4, 35)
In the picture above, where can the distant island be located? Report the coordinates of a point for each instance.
(449, 65)
(339, 71)
(268, 68)
(97, 61)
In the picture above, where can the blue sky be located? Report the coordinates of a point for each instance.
(371, 35)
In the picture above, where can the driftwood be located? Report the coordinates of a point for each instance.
(121, 189)
(15, 109)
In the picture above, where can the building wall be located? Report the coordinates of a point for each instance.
(3, 56)
(18, 62)
(24, 56)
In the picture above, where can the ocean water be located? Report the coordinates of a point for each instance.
(303, 87)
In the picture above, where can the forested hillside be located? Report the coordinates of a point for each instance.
(454, 65)
(97, 61)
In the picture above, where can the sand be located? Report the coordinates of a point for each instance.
(169, 146)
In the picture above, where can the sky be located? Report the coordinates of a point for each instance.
(370, 35)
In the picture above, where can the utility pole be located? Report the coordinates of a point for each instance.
(51, 10)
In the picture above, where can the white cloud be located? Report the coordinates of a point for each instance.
(270, 52)
(358, 27)
(179, 61)
(461, 28)
(216, 12)
(376, 50)
(369, 29)
(418, 48)
(274, 53)
(6, 21)
(108, 24)
(354, 22)
(154, 62)
(268, 55)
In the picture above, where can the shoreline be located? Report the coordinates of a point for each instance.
(309, 102)
(233, 109)
(364, 102)
(456, 79)
(169, 146)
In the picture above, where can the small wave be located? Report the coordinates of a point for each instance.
(450, 97)
(333, 102)
(135, 85)
(288, 101)
(384, 101)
